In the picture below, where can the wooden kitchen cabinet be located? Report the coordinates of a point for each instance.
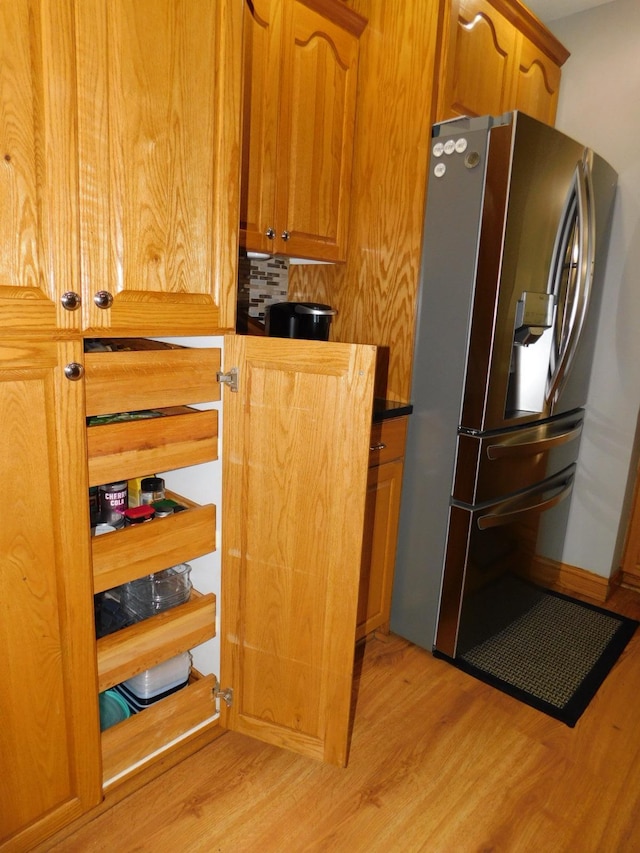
(384, 485)
(49, 736)
(39, 246)
(498, 57)
(135, 376)
(158, 104)
(300, 77)
(120, 145)
(537, 82)
(290, 564)
(294, 474)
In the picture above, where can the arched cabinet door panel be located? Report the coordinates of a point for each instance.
(498, 57)
(538, 83)
(301, 66)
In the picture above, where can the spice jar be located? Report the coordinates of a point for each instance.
(163, 508)
(151, 489)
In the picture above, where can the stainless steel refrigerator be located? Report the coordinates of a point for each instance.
(516, 231)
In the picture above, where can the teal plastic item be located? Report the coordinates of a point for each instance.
(113, 709)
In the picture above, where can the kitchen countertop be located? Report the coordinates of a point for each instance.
(385, 409)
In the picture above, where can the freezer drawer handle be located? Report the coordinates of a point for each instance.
(512, 509)
(539, 445)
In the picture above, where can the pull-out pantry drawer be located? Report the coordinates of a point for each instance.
(130, 379)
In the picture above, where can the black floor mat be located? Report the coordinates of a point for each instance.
(544, 648)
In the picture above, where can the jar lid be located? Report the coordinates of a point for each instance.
(138, 514)
(151, 484)
(163, 507)
(99, 529)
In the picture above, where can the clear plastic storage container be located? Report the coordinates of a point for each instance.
(160, 591)
(154, 684)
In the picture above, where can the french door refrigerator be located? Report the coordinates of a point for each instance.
(516, 230)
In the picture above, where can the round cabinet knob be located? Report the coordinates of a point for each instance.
(270, 234)
(103, 299)
(285, 235)
(70, 300)
(74, 371)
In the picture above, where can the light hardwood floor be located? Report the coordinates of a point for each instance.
(439, 763)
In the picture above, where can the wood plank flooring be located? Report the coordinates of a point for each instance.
(439, 763)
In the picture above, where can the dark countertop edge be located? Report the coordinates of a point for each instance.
(385, 409)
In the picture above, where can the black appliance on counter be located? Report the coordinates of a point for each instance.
(308, 320)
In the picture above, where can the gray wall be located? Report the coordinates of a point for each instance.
(600, 106)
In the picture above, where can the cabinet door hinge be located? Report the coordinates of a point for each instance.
(223, 693)
(231, 378)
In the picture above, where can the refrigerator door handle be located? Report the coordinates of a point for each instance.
(573, 252)
(548, 437)
(536, 500)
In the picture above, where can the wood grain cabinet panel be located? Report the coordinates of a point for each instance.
(120, 134)
(294, 472)
(38, 178)
(382, 513)
(480, 75)
(301, 63)
(537, 82)
(49, 734)
(158, 124)
(498, 57)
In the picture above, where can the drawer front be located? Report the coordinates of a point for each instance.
(139, 739)
(125, 555)
(387, 441)
(132, 650)
(121, 451)
(150, 379)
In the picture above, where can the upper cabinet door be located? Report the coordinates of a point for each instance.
(295, 476)
(479, 64)
(301, 59)
(159, 119)
(537, 83)
(498, 57)
(262, 37)
(38, 175)
(317, 121)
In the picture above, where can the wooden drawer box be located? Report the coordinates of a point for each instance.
(129, 381)
(133, 552)
(128, 744)
(387, 440)
(182, 437)
(132, 650)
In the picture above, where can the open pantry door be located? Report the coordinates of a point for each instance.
(295, 456)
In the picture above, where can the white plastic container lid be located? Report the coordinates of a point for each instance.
(168, 674)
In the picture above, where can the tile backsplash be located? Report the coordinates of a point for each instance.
(261, 282)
